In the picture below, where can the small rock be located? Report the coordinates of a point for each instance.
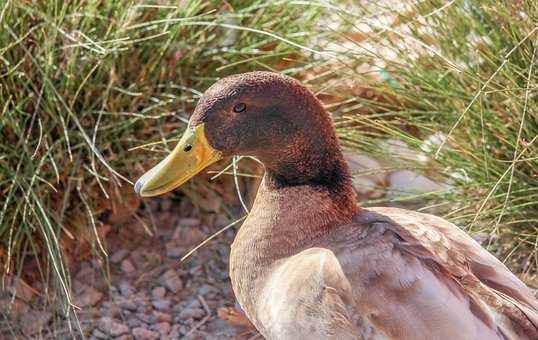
(133, 323)
(173, 250)
(126, 289)
(88, 297)
(112, 327)
(162, 327)
(175, 332)
(161, 304)
(400, 150)
(221, 220)
(144, 334)
(12, 308)
(183, 329)
(118, 256)
(127, 267)
(171, 280)
(164, 234)
(206, 289)
(125, 337)
(144, 307)
(35, 321)
(127, 305)
(189, 222)
(369, 177)
(113, 291)
(147, 318)
(191, 313)
(110, 309)
(162, 317)
(481, 237)
(19, 287)
(432, 142)
(85, 273)
(407, 182)
(98, 334)
(158, 292)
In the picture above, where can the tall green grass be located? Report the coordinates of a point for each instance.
(84, 82)
(465, 72)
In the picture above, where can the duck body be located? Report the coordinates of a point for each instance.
(299, 271)
(308, 263)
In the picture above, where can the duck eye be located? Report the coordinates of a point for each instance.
(187, 148)
(240, 107)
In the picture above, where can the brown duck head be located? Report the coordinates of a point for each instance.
(262, 114)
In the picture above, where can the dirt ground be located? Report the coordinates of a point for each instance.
(144, 290)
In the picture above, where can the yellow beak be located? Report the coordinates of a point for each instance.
(191, 155)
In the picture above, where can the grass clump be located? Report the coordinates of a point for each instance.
(83, 82)
(458, 83)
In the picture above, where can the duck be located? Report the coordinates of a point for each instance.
(308, 262)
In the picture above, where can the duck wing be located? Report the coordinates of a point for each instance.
(497, 296)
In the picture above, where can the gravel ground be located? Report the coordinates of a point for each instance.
(144, 291)
(151, 293)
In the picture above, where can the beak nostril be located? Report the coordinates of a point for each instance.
(187, 148)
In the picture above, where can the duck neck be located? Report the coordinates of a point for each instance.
(325, 172)
(298, 202)
(312, 158)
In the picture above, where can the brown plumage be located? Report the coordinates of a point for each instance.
(309, 264)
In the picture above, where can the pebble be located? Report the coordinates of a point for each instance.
(118, 256)
(35, 321)
(144, 334)
(161, 304)
(171, 280)
(13, 308)
(125, 337)
(112, 310)
(162, 327)
(158, 292)
(144, 317)
(162, 317)
(86, 272)
(88, 297)
(189, 222)
(127, 266)
(133, 323)
(126, 289)
(112, 327)
(146, 304)
(173, 250)
(398, 149)
(175, 332)
(98, 334)
(191, 312)
(127, 305)
(407, 182)
(19, 287)
(207, 290)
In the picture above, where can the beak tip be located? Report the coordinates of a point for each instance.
(138, 187)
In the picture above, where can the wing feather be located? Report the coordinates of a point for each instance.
(451, 250)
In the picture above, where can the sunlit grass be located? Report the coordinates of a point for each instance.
(84, 82)
(465, 72)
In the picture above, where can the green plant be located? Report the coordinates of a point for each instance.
(456, 82)
(84, 82)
